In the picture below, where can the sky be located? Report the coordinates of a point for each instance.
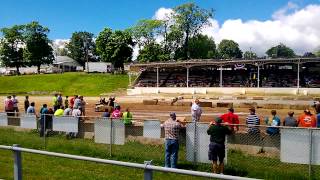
(255, 24)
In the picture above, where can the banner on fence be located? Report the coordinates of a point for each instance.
(65, 124)
(152, 128)
(102, 131)
(197, 146)
(296, 144)
(28, 121)
(3, 119)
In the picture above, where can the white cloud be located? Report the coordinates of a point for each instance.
(60, 43)
(296, 28)
(162, 13)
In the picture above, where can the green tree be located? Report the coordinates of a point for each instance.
(250, 55)
(115, 47)
(11, 47)
(280, 51)
(151, 53)
(82, 47)
(190, 18)
(202, 47)
(229, 49)
(317, 53)
(38, 51)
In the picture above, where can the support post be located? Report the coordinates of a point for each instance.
(187, 76)
(148, 172)
(298, 76)
(157, 77)
(258, 78)
(111, 132)
(17, 164)
(220, 76)
(44, 130)
(195, 144)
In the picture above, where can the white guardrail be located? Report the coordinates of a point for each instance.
(148, 168)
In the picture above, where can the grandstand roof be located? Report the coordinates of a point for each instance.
(220, 62)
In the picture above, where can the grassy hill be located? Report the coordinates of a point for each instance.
(67, 83)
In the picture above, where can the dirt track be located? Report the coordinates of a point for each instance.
(161, 112)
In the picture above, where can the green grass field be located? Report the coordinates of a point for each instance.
(67, 83)
(44, 167)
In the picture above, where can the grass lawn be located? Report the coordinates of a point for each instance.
(67, 83)
(44, 167)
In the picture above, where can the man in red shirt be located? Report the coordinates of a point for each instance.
(231, 118)
(307, 119)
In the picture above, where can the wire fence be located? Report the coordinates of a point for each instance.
(291, 153)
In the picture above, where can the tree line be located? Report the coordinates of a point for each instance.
(176, 37)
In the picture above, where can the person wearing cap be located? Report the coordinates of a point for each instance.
(231, 118)
(290, 120)
(307, 119)
(171, 130)
(216, 151)
(196, 111)
(274, 122)
(252, 121)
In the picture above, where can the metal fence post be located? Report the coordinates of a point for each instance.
(148, 172)
(44, 130)
(17, 164)
(195, 143)
(310, 153)
(111, 132)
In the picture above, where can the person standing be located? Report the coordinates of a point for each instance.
(231, 118)
(307, 119)
(55, 102)
(26, 104)
(66, 102)
(318, 115)
(43, 119)
(59, 99)
(290, 120)
(274, 123)
(116, 114)
(216, 151)
(31, 110)
(171, 129)
(15, 104)
(252, 121)
(127, 117)
(8, 106)
(72, 100)
(196, 111)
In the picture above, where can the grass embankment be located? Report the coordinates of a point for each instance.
(67, 83)
(44, 167)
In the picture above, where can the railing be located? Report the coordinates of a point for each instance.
(148, 168)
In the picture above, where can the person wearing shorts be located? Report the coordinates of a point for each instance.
(216, 151)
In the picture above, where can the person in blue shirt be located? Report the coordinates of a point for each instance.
(275, 121)
(43, 114)
(318, 115)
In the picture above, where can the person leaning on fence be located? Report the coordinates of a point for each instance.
(15, 104)
(307, 119)
(43, 113)
(171, 130)
(127, 117)
(116, 114)
(75, 113)
(59, 111)
(231, 118)
(216, 151)
(31, 110)
(67, 111)
(196, 111)
(55, 102)
(8, 106)
(252, 121)
(275, 121)
(290, 120)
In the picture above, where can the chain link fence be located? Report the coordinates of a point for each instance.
(293, 153)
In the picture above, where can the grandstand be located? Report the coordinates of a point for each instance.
(294, 72)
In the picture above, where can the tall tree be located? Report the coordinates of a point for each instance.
(309, 54)
(151, 53)
(115, 47)
(249, 55)
(229, 49)
(11, 47)
(38, 51)
(82, 47)
(280, 51)
(202, 47)
(190, 18)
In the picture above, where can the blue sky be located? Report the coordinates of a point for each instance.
(66, 16)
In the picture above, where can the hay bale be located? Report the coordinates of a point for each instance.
(150, 102)
(224, 104)
(205, 104)
(288, 98)
(241, 97)
(257, 98)
(299, 107)
(274, 106)
(304, 98)
(248, 105)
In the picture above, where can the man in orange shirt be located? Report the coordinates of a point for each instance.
(307, 119)
(231, 118)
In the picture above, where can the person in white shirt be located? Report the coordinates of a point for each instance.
(196, 111)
